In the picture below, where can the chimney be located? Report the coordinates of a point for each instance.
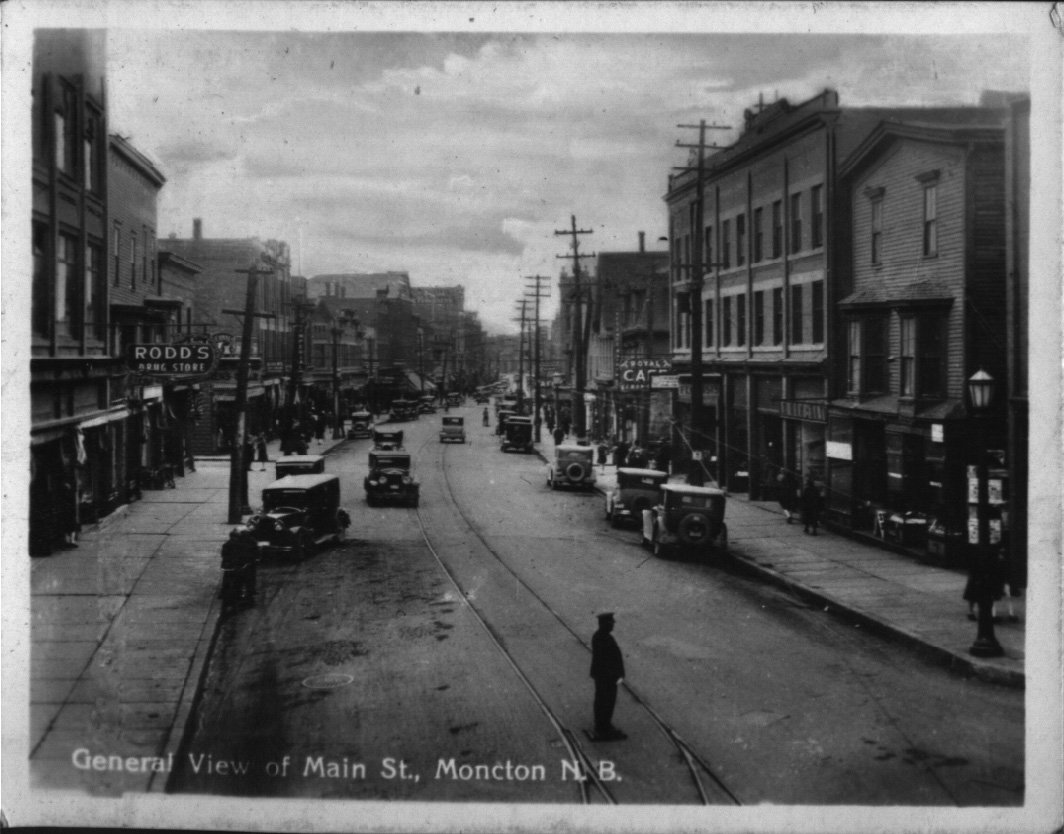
(197, 228)
(642, 241)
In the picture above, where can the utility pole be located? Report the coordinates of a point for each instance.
(238, 476)
(695, 275)
(521, 358)
(536, 293)
(579, 337)
(302, 307)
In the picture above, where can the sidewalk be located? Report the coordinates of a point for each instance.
(890, 593)
(121, 628)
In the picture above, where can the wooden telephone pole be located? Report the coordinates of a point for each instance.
(581, 334)
(695, 277)
(535, 291)
(522, 305)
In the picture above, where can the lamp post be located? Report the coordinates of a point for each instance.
(981, 394)
(346, 318)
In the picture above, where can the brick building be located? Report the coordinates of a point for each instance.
(924, 272)
(222, 285)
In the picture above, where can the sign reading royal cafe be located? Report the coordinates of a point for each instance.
(635, 374)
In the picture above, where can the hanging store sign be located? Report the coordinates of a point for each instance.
(190, 359)
(813, 412)
(636, 374)
(660, 381)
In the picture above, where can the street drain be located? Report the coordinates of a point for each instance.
(327, 681)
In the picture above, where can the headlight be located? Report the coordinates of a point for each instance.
(407, 480)
(372, 482)
(278, 526)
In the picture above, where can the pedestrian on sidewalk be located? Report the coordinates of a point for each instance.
(261, 453)
(812, 505)
(787, 484)
(602, 452)
(607, 670)
(319, 427)
(662, 456)
(486, 418)
(559, 436)
(620, 453)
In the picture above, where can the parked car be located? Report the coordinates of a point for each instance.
(500, 420)
(298, 513)
(299, 465)
(573, 467)
(361, 425)
(481, 399)
(636, 490)
(455, 400)
(388, 440)
(390, 479)
(517, 434)
(426, 404)
(403, 410)
(453, 430)
(688, 517)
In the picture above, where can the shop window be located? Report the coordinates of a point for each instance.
(740, 239)
(759, 317)
(725, 244)
(66, 286)
(923, 356)
(797, 336)
(777, 316)
(740, 319)
(817, 292)
(777, 228)
(707, 250)
(726, 320)
(817, 200)
(866, 353)
(40, 279)
(708, 321)
(759, 235)
(796, 222)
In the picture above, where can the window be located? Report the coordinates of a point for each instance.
(796, 315)
(708, 321)
(116, 247)
(677, 259)
(817, 196)
(922, 356)
(796, 222)
(777, 316)
(931, 221)
(66, 288)
(687, 256)
(740, 319)
(65, 125)
(759, 317)
(777, 228)
(133, 261)
(759, 235)
(707, 251)
(725, 321)
(94, 318)
(40, 279)
(91, 149)
(740, 239)
(725, 243)
(866, 371)
(877, 230)
(144, 271)
(817, 288)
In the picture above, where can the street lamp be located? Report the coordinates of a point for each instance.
(981, 395)
(346, 317)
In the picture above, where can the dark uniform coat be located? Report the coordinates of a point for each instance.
(607, 667)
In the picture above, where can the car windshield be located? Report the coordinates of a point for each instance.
(452, 421)
(626, 481)
(696, 502)
(392, 462)
(298, 498)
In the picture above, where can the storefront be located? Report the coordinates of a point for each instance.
(708, 433)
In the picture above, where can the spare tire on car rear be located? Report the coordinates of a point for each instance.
(693, 529)
(575, 471)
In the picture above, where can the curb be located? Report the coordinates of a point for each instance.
(954, 661)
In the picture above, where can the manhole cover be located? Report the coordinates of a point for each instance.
(327, 681)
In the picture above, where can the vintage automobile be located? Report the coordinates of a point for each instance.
(573, 467)
(298, 513)
(387, 440)
(689, 517)
(299, 465)
(426, 404)
(500, 420)
(453, 430)
(636, 490)
(403, 410)
(361, 425)
(517, 434)
(454, 400)
(390, 480)
(481, 398)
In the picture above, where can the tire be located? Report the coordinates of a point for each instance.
(371, 500)
(575, 471)
(304, 546)
(415, 501)
(689, 528)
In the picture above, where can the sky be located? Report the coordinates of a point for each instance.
(456, 156)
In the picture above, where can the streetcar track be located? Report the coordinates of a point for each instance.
(694, 762)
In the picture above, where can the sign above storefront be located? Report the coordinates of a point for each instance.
(815, 412)
(660, 381)
(178, 360)
(636, 374)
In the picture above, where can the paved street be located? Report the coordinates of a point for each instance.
(458, 635)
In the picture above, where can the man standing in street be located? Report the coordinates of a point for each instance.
(607, 670)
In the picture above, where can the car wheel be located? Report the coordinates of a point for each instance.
(304, 544)
(371, 500)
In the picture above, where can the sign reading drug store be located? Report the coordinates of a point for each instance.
(176, 360)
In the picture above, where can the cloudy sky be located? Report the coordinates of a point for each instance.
(456, 156)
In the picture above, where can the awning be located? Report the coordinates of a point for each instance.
(103, 419)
